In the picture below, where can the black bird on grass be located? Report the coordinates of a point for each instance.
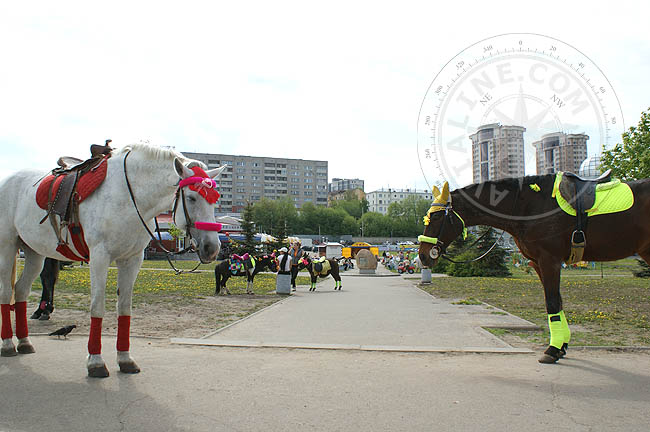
(63, 331)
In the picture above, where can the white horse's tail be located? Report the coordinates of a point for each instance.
(13, 283)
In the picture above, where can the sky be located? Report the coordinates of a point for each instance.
(336, 81)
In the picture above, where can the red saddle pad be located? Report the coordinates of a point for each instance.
(86, 185)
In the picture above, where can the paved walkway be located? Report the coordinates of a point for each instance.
(191, 388)
(380, 313)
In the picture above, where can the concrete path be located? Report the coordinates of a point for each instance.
(188, 388)
(220, 388)
(380, 313)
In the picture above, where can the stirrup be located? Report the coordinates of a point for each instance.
(578, 244)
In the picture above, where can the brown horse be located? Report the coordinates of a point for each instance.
(315, 273)
(524, 208)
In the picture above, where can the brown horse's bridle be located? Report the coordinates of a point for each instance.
(439, 248)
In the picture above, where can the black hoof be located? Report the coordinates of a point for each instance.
(551, 355)
(98, 372)
(26, 349)
(129, 368)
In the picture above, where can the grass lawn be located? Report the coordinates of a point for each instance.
(613, 310)
(155, 284)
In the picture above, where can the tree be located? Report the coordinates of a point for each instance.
(406, 216)
(631, 159)
(248, 229)
(267, 215)
(175, 231)
(280, 231)
(491, 265)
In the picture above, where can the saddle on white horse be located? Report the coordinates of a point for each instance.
(61, 192)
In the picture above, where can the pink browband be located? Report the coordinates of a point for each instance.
(207, 182)
(207, 226)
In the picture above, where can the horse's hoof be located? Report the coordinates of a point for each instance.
(98, 372)
(545, 358)
(129, 368)
(26, 348)
(551, 355)
(8, 352)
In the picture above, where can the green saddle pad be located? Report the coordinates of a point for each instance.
(612, 197)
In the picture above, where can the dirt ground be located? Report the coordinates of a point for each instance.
(202, 317)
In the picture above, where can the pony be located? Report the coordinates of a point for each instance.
(527, 209)
(223, 272)
(142, 182)
(308, 263)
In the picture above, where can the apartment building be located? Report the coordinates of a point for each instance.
(497, 152)
(559, 151)
(379, 200)
(251, 178)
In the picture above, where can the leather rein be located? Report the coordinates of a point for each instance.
(158, 241)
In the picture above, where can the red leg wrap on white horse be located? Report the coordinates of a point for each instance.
(21, 320)
(123, 331)
(6, 332)
(95, 338)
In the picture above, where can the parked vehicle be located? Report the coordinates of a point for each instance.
(405, 266)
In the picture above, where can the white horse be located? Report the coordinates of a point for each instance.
(113, 232)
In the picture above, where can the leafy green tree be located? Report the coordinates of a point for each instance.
(175, 231)
(352, 205)
(406, 216)
(631, 159)
(267, 215)
(375, 225)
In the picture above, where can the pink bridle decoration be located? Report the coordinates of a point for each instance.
(207, 226)
(205, 181)
(202, 184)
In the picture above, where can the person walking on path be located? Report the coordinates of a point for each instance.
(296, 254)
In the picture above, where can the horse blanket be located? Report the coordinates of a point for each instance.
(612, 197)
(321, 266)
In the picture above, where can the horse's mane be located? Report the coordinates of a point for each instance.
(158, 153)
(515, 183)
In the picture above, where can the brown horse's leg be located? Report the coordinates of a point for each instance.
(549, 272)
(538, 271)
